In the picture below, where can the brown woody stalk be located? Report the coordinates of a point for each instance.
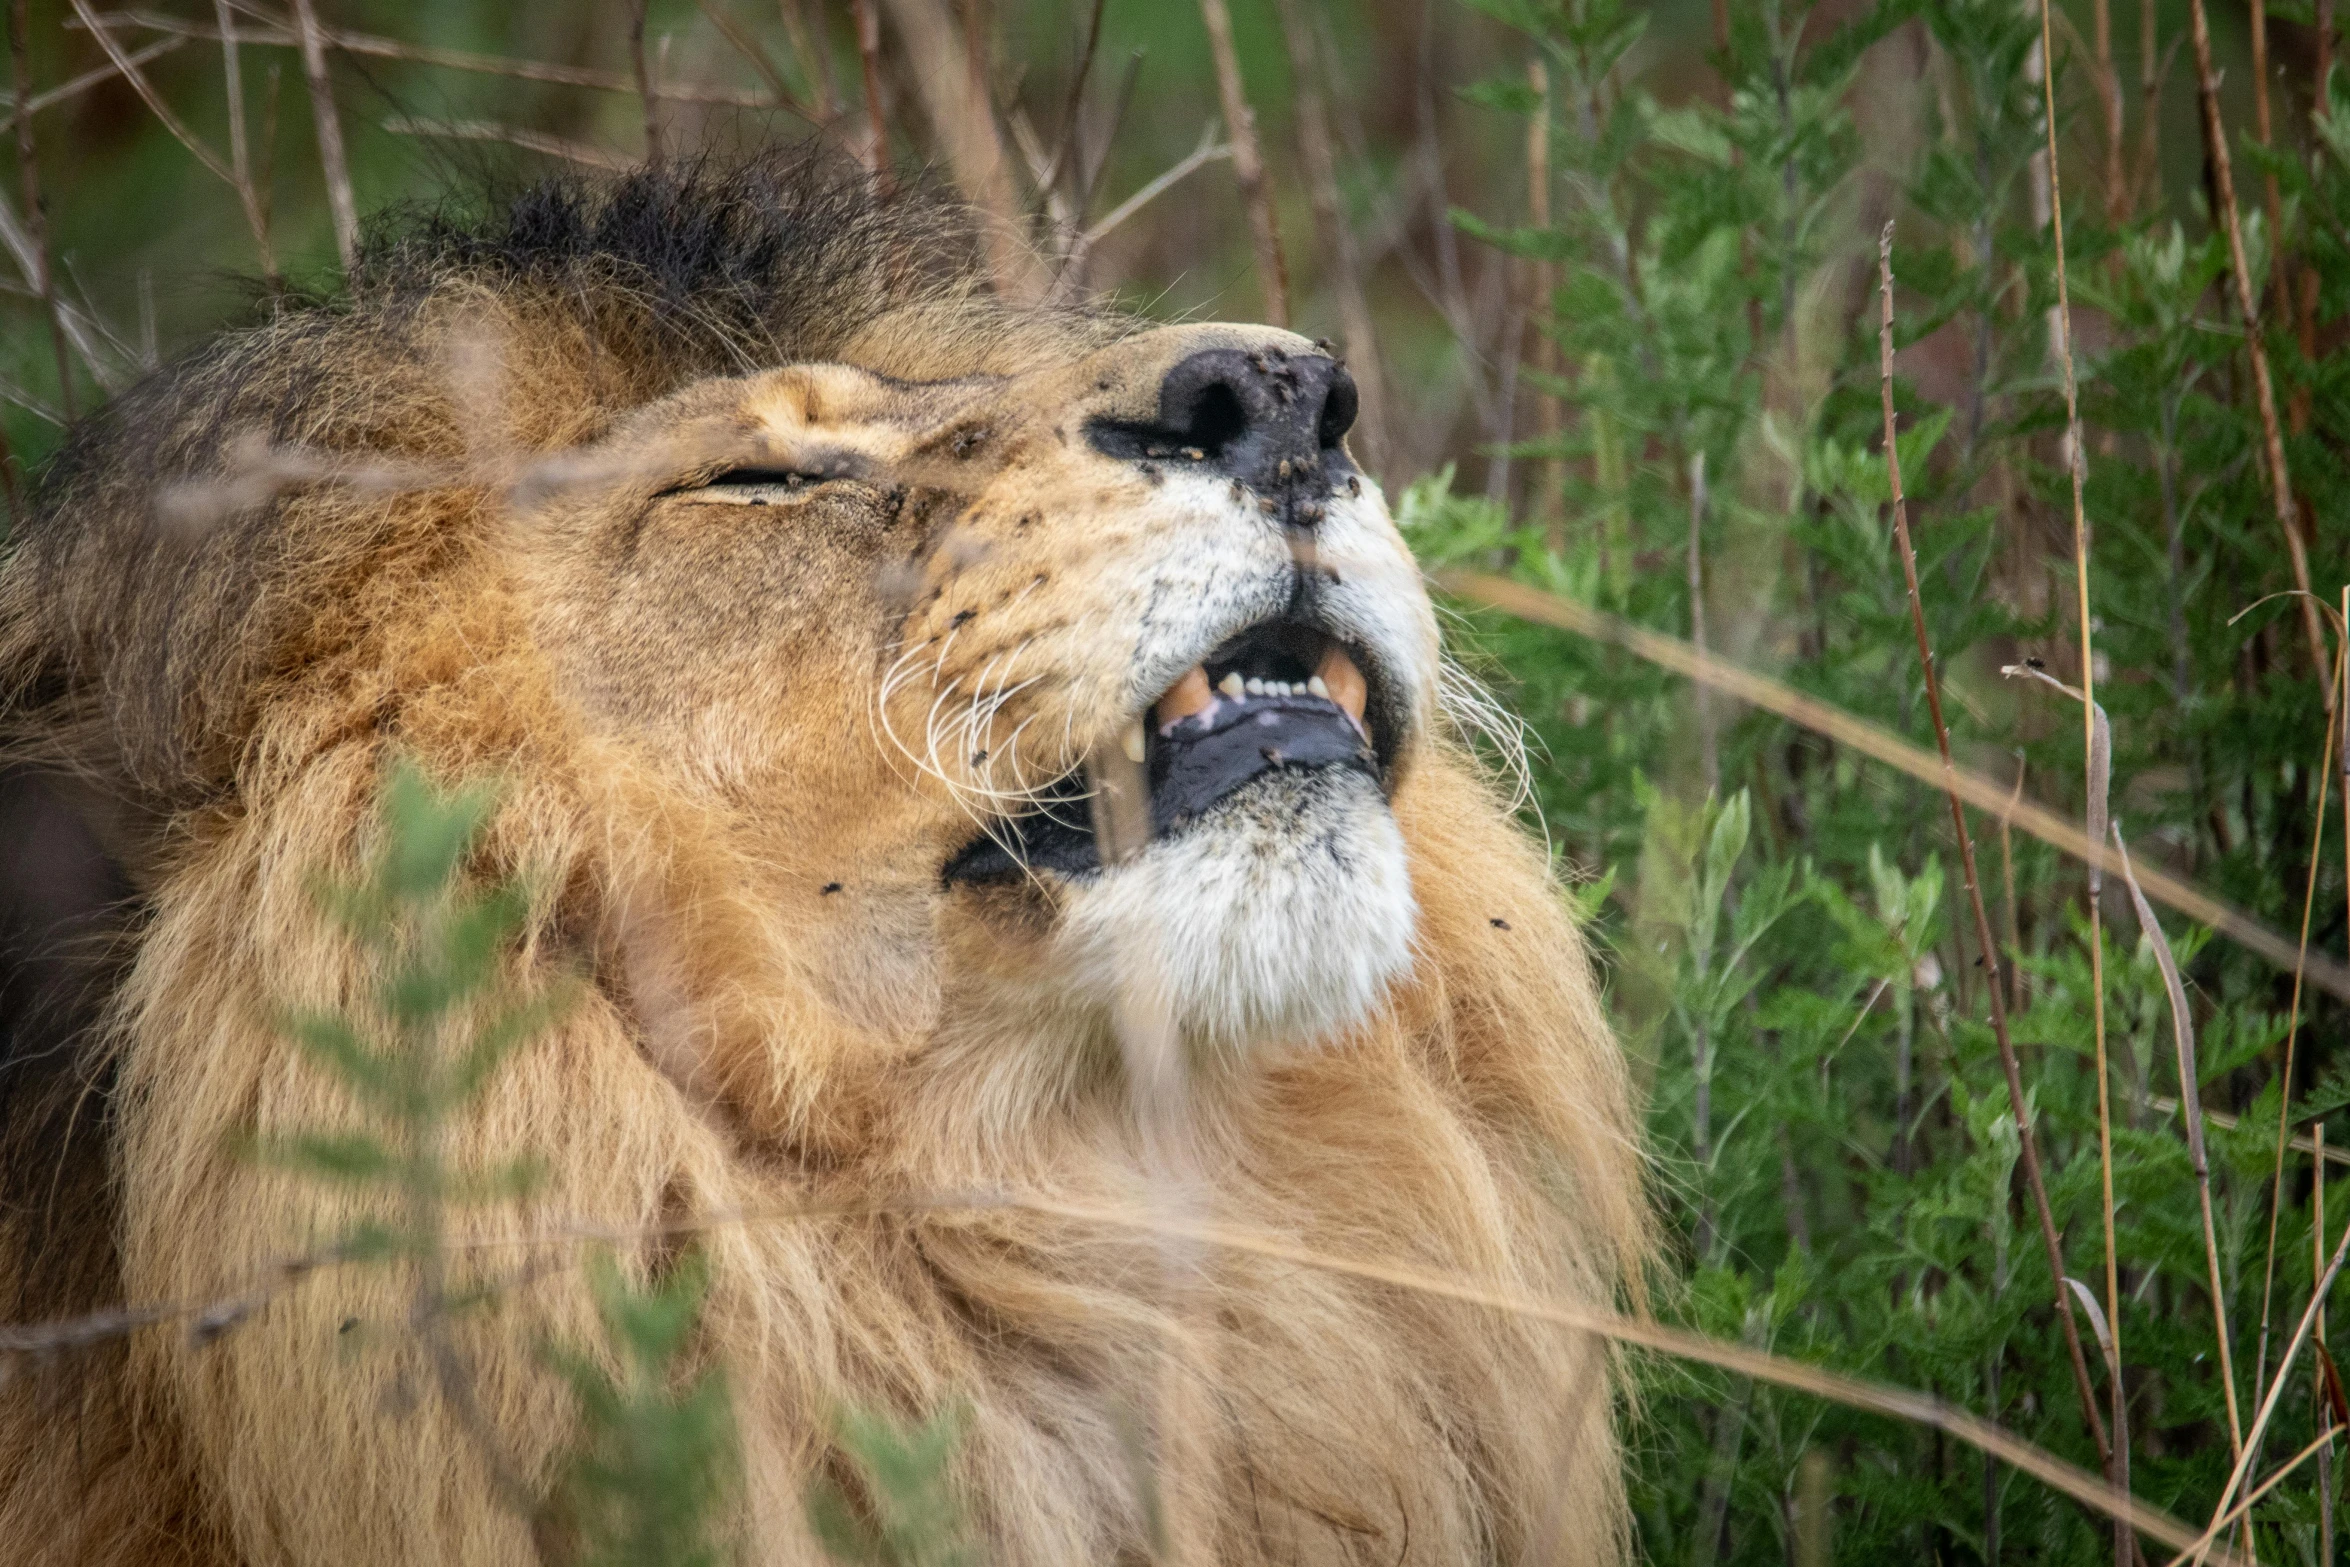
(1550, 470)
(76, 86)
(130, 72)
(2215, 141)
(1988, 945)
(36, 216)
(1248, 163)
(2280, 274)
(814, 57)
(331, 160)
(1336, 234)
(2077, 460)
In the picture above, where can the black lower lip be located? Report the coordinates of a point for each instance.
(1192, 769)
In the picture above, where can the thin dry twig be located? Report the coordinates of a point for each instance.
(1207, 152)
(876, 116)
(331, 159)
(750, 49)
(583, 153)
(1248, 163)
(2280, 484)
(377, 47)
(240, 153)
(2182, 1023)
(76, 86)
(2019, 1104)
(2076, 455)
(36, 212)
(1872, 740)
(129, 71)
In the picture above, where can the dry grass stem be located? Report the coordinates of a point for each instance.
(76, 86)
(2076, 460)
(749, 48)
(240, 152)
(1208, 151)
(2109, 1455)
(2182, 1023)
(1248, 163)
(1874, 741)
(2276, 1196)
(1550, 469)
(2223, 179)
(2109, 101)
(331, 160)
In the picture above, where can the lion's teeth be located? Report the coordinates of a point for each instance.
(1233, 686)
(1189, 695)
(1131, 740)
(1256, 686)
(1345, 683)
(1319, 687)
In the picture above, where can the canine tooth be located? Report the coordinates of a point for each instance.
(1345, 683)
(1131, 740)
(1232, 686)
(1188, 696)
(1319, 687)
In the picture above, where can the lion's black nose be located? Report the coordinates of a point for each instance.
(1270, 419)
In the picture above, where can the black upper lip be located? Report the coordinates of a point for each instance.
(1205, 758)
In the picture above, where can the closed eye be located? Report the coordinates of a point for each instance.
(759, 486)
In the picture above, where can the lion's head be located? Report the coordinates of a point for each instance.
(905, 706)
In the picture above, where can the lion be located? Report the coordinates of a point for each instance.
(955, 747)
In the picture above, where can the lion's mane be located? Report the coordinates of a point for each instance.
(215, 680)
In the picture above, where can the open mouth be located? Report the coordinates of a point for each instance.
(1281, 694)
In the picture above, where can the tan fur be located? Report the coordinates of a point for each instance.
(686, 706)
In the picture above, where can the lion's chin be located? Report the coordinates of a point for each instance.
(1280, 916)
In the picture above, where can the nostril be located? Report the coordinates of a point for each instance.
(1215, 419)
(1339, 407)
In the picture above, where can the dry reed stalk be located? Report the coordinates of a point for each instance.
(1874, 741)
(2280, 275)
(36, 212)
(1207, 152)
(2276, 1195)
(331, 161)
(240, 155)
(2144, 176)
(2182, 1025)
(964, 118)
(1709, 760)
(2076, 454)
(1356, 327)
(2243, 1508)
(2215, 140)
(376, 47)
(2107, 1453)
(1248, 163)
(2015, 932)
(868, 22)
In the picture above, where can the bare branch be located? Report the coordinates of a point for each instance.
(1208, 151)
(90, 78)
(749, 48)
(36, 215)
(239, 151)
(1248, 164)
(131, 73)
(961, 114)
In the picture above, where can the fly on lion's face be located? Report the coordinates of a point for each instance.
(1151, 574)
